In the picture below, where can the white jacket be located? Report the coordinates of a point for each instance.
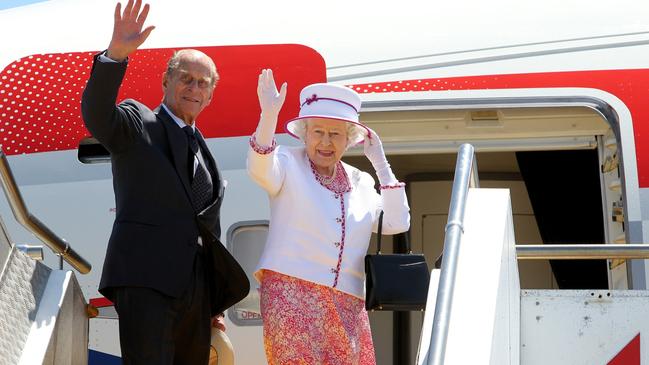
(306, 225)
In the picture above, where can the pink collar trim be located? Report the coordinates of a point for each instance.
(339, 184)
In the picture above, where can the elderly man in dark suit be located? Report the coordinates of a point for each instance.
(165, 268)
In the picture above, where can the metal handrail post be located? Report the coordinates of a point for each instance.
(31, 223)
(582, 252)
(465, 176)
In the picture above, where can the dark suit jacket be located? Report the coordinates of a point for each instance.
(154, 238)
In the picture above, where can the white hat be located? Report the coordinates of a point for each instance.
(221, 351)
(329, 101)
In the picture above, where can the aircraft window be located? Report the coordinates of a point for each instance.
(91, 151)
(246, 242)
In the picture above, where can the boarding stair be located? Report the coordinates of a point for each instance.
(43, 313)
(477, 313)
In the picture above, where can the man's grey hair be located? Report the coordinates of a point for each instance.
(353, 131)
(174, 62)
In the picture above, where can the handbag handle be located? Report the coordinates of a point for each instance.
(379, 234)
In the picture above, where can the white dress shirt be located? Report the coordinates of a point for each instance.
(181, 124)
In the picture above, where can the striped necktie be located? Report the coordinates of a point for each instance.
(202, 187)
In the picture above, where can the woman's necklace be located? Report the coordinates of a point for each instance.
(327, 180)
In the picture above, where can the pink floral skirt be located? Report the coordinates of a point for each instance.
(307, 323)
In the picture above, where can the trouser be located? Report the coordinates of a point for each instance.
(157, 329)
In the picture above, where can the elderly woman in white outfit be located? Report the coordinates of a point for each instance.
(323, 212)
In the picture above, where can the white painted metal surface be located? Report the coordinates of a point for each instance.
(59, 332)
(484, 325)
(581, 327)
(22, 284)
(427, 326)
(348, 33)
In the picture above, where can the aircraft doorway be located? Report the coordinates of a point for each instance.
(556, 192)
(429, 195)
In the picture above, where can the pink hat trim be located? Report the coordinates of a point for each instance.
(315, 98)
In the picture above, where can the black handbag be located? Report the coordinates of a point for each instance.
(395, 282)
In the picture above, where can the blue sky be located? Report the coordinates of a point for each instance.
(6, 4)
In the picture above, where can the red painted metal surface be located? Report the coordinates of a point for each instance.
(630, 354)
(40, 95)
(630, 86)
(100, 302)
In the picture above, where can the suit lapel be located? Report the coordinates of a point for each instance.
(179, 149)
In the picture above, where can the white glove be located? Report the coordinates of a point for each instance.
(271, 103)
(373, 149)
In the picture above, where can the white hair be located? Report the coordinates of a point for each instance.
(353, 131)
(174, 63)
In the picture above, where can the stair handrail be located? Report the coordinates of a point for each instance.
(466, 176)
(582, 251)
(58, 245)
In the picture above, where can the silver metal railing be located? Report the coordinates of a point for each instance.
(582, 252)
(466, 175)
(35, 252)
(60, 246)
